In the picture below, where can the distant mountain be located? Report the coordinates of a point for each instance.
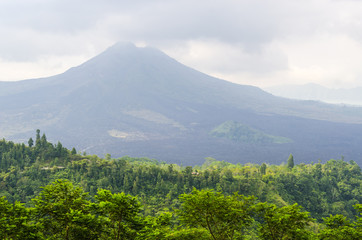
(140, 102)
(317, 92)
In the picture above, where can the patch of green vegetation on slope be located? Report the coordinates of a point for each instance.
(239, 132)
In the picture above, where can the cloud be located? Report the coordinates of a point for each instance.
(220, 57)
(257, 42)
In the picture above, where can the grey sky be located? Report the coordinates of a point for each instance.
(257, 42)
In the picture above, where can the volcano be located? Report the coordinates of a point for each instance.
(142, 103)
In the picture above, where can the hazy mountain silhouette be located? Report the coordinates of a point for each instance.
(317, 92)
(140, 102)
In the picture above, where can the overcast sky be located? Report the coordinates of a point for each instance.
(256, 42)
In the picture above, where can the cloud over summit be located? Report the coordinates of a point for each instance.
(249, 41)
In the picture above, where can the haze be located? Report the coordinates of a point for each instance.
(256, 42)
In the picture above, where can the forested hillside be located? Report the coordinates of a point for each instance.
(322, 189)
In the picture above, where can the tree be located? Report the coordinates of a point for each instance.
(43, 140)
(287, 222)
(157, 227)
(30, 142)
(358, 207)
(65, 213)
(224, 217)
(188, 234)
(37, 139)
(15, 221)
(263, 169)
(290, 162)
(122, 210)
(73, 152)
(338, 227)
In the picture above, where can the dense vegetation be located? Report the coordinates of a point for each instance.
(239, 132)
(62, 211)
(167, 201)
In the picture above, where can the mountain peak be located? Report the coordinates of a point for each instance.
(121, 48)
(125, 54)
(129, 48)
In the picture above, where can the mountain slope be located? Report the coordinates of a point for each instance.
(140, 102)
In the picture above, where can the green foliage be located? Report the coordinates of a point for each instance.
(324, 190)
(189, 234)
(73, 152)
(287, 222)
(239, 132)
(263, 169)
(65, 213)
(157, 227)
(290, 162)
(30, 142)
(122, 211)
(338, 227)
(15, 221)
(224, 217)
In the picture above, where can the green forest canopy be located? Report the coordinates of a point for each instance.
(330, 193)
(63, 211)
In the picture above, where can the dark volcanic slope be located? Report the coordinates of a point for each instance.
(140, 102)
